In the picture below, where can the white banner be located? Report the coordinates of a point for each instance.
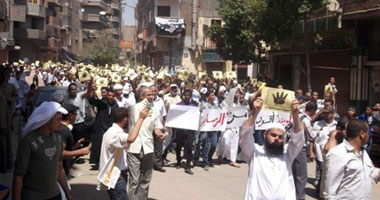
(213, 120)
(183, 117)
(266, 117)
(236, 116)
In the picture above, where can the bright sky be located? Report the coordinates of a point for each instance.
(129, 13)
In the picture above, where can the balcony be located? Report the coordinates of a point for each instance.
(27, 33)
(66, 11)
(115, 6)
(54, 21)
(98, 3)
(36, 10)
(94, 18)
(115, 31)
(54, 44)
(115, 19)
(208, 43)
(56, 2)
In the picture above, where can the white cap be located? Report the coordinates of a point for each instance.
(174, 85)
(125, 78)
(117, 87)
(276, 125)
(222, 88)
(203, 90)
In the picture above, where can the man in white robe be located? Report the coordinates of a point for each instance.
(270, 166)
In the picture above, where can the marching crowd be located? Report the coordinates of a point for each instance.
(117, 114)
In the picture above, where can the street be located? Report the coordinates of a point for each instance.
(221, 182)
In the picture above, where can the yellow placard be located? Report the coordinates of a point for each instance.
(202, 76)
(231, 75)
(183, 75)
(277, 99)
(84, 76)
(217, 75)
(102, 82)
(189, 85)
(329, 88)
(254, 81)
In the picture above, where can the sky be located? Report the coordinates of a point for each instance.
(129, 13)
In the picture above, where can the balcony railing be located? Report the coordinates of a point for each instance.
(54, 21)
(115, 31)
(115, 6)
(208, 43)
(36, 10)
(115, 19)
(98, 3)
(66, 10)
(56, 2)
(94, 18)
(27, 33)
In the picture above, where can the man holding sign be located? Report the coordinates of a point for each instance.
(270, 166)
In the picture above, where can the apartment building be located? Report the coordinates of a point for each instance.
(173, 33)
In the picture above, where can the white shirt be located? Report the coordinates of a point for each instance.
(320, 132)
(113, 157)
(270, 177)
(122, 103)
(144, 139)
(248, 95)
(349, 175)
(131, 100)
(159, 107)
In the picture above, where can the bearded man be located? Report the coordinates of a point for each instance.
(270, 166)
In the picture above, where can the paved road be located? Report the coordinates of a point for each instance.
(222, 182)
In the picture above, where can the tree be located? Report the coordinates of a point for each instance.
(101, 50)
(248, 23)
(237, 38)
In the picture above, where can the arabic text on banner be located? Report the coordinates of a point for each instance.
(213, 120)
(277, 99)
(236, 116)
(183, 117)
(266, 117)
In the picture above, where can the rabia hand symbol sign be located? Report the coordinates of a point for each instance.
(279, 98)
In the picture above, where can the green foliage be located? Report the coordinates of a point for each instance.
(101, 50)
(249, 22)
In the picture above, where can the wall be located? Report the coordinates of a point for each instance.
(174, 7)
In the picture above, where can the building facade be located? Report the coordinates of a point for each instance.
(173, 33)
(348, 50)
(55, 30)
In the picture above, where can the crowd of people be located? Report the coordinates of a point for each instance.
(117, 114)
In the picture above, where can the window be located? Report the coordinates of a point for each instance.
(216, 21)
(163, 11)
(33, 1)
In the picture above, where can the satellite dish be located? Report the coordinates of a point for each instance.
(102, 13)
(332, 5)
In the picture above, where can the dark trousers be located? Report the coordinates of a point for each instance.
(120, 190)
(157, 160)
(58, 197)
(299, 168)
(185, 139)
(80, 131)
(318, 176)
